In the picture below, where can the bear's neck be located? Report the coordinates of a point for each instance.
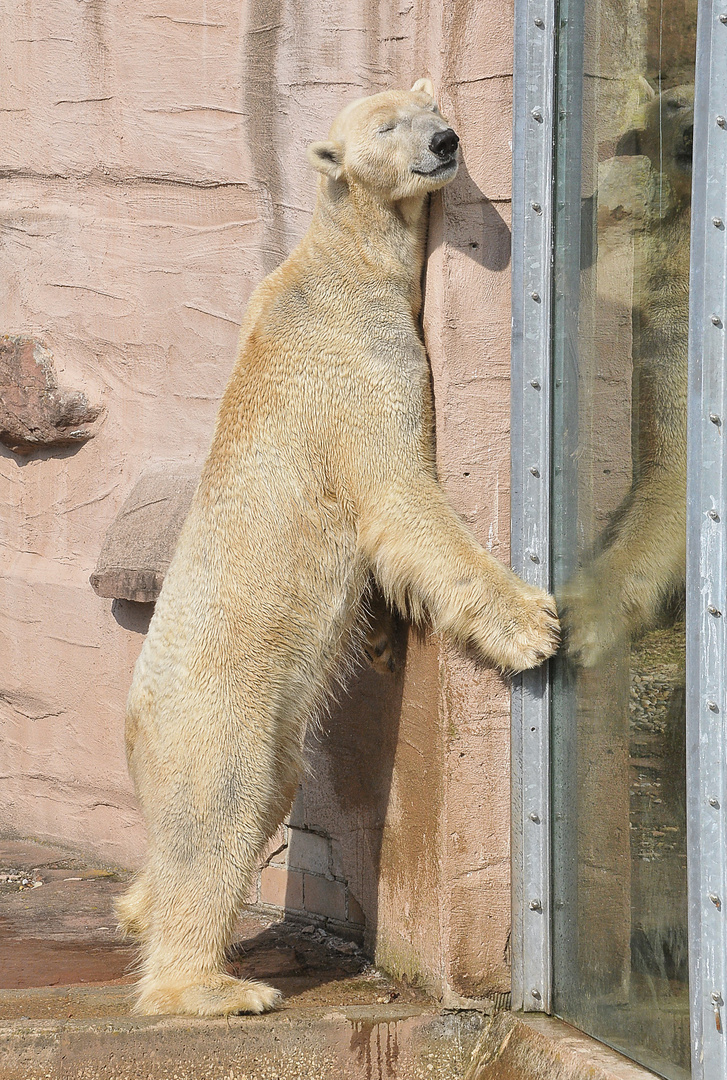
(374, 239)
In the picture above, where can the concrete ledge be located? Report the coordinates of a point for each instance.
(389, 1041)
(534, 1047)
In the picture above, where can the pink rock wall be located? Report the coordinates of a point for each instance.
(153, 171)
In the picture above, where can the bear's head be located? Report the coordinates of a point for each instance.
(396, 144)
(664, 134)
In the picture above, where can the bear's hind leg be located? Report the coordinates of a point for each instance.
(183, 952)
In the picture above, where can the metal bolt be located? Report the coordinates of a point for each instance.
(714, 611)
(537, 115)
(535, 905)
(535, 818)
(535, 472)
(723, 19)
(535, 993)
(716, 321)
(714, 418)
(717, 222)
(716, 998)
(713, 515)
(534, 558)
(535, 296)
(713, 706)
(535, 384)
(714, 802)
(715, 900)
(539, 23)
(537, 207)
(721, 122)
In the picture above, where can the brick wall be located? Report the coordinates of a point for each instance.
(303, 875)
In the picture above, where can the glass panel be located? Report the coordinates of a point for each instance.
(623, 182)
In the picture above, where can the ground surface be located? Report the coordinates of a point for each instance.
(58, 934)
(65, 997)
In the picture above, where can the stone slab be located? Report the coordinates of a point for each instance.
(139, 545)
(533, 1047)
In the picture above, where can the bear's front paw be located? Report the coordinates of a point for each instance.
(524, 631)
(537, 632)
(594, 622)
(379, 648)
(380, 635)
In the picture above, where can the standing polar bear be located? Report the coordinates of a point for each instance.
(321, 472)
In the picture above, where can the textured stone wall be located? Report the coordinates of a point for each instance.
(152, 172)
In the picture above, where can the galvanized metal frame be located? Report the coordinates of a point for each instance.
(532, 235)
(532, 243)
(707, 555)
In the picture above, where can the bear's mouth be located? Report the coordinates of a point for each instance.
(438, 170)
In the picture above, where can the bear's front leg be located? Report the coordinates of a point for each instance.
(619, 596)
(425, 559)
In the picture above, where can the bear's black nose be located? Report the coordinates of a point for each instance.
(444, 143)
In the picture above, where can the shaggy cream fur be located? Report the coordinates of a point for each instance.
(321, 471)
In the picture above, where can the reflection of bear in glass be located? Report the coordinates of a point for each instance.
(640, 567)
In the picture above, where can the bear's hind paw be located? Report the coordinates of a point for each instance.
(222, 996)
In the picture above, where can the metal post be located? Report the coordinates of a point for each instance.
(532, 242)
(707, 555)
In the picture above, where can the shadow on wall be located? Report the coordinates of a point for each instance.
(474, 225)
(334, 839)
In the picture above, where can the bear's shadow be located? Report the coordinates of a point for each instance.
(473, 224)
(345, 795)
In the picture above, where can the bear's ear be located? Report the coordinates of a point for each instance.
(326, 158)
(645, 90)
(425, 85)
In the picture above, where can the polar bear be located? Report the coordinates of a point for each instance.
(321, 472)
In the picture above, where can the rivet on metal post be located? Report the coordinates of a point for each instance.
(713, 515)
(714, 418)
(715, 900)
(718, 223)
(714, 801)
(539, 23)
(537, 207)
(714, 611)
(713, 706)
(721, 122)
(535, 905)
(534, 558)
(537, 114)
(723, 19)
(535, 384)
(535, 818)
(535, 993)
(535, 472)
(716, 321)
(535, 296)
